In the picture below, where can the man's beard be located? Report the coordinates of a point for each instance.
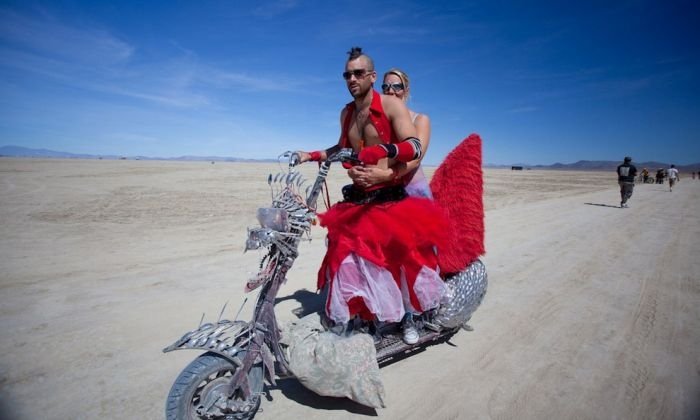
(362, 92)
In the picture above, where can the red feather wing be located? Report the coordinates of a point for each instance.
(458, 188)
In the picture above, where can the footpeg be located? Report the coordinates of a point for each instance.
(432, 327)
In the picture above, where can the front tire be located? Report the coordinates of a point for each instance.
(203, 383)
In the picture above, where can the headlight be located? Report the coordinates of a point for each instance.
(257, 238)
(273, 218)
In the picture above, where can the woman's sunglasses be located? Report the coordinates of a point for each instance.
(393, 86)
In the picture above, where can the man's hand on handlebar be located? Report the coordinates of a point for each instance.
(299, 157)
(314, 156)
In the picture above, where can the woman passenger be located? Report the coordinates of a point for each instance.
(396, 83)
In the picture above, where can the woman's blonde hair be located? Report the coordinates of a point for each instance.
(401, 75)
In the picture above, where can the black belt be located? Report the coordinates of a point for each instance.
(352, 194)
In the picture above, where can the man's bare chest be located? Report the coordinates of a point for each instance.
(362, 132)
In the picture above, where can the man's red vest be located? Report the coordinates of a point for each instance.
(376, 116)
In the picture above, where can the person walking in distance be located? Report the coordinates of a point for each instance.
(660, 176)
(672, 177)
(626, 172)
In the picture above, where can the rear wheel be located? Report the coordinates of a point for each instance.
(199, 392)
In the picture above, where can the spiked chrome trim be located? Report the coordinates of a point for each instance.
(226, 338)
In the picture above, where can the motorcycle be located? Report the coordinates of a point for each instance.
(227, 381)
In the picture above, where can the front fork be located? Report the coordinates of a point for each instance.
(263, 348)
(245, 344)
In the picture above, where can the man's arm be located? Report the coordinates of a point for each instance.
(422, 124)
(407, 150)
(399, 116)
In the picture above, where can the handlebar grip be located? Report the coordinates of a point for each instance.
(346, 156)
(353, 159)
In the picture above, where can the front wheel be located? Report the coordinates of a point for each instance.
(199, 392)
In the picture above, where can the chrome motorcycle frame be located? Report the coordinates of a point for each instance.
(282, 228)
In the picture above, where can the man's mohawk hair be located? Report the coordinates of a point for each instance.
(354, 53)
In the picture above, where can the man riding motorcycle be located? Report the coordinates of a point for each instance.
(381, 262)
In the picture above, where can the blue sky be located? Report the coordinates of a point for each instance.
(542, 82)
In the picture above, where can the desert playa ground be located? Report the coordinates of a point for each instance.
(592, 311)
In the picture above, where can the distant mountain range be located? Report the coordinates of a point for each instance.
(18, 151)
(602, 165)
(581, 165)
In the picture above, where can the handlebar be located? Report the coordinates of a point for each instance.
(342, 155)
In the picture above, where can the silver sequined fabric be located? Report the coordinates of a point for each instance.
(465, 291)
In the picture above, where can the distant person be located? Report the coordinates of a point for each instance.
(645, 175)
(672, 177)
(626, 172)
(693, 175)
(660, 176)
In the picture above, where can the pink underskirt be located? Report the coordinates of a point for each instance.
(358, 277)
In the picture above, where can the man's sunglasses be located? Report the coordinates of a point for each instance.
(393, 86)
(359, 74)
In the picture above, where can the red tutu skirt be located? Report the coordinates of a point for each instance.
(381, 260)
